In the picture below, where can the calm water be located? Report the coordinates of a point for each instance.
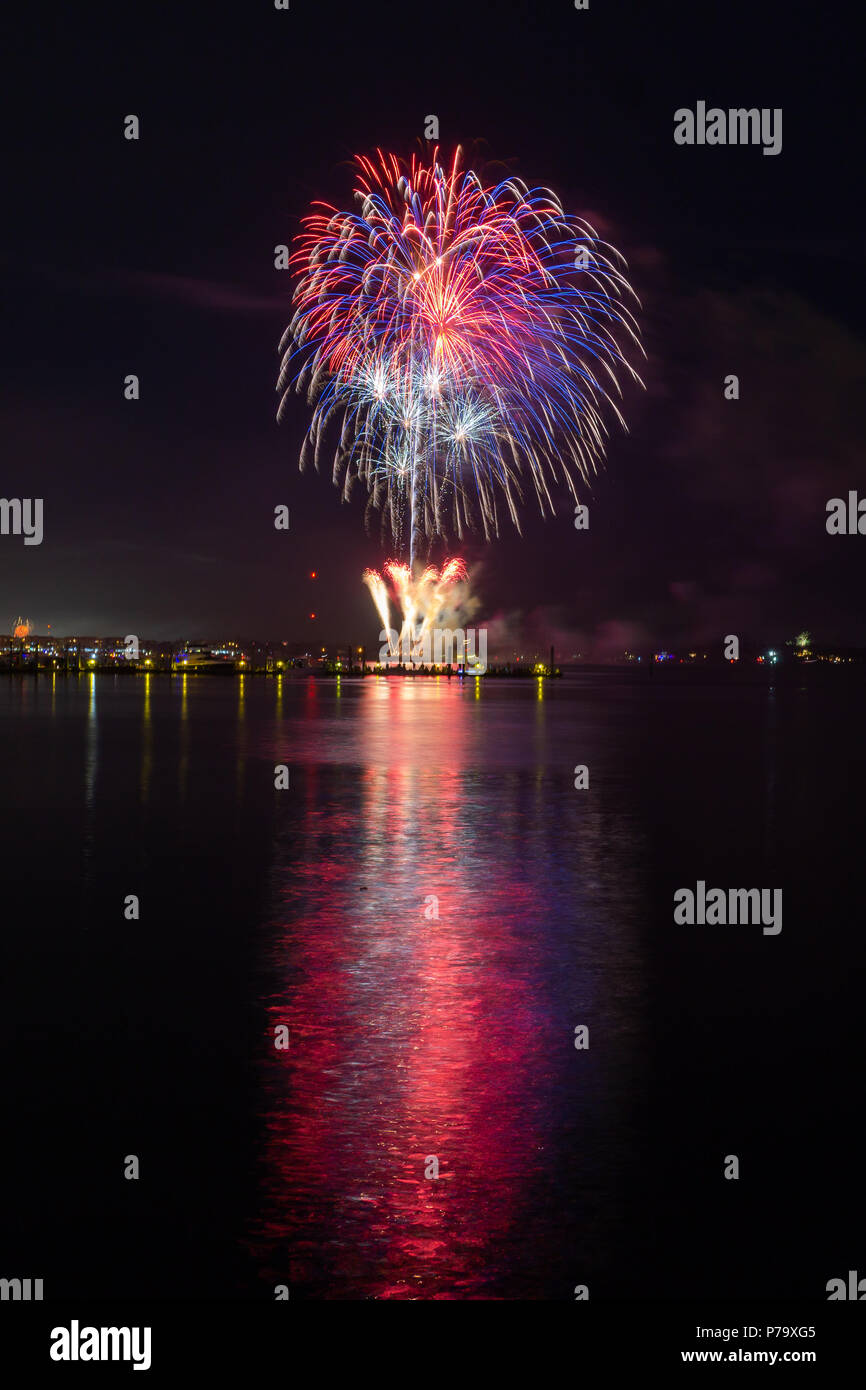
(432, 909)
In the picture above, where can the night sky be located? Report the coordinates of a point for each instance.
(156, 258)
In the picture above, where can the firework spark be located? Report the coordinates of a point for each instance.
(422, 602)
(465, 339)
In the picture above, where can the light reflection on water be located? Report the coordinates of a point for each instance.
(416, 1036)
(443, 917)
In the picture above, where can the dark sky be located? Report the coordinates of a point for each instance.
(156, 258)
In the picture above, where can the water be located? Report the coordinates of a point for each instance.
(432, 909)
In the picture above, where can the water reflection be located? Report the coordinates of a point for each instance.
(241, 734)
(432, 950)
(146, 742)
(433, 908)
(183, 756)
(91, 771)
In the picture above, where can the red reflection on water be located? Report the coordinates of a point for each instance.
(414, 1032)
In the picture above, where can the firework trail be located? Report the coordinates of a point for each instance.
(21, 627)
(379, 592)
(464, 338)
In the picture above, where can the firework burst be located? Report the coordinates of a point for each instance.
(463, 339)
(422, 601)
